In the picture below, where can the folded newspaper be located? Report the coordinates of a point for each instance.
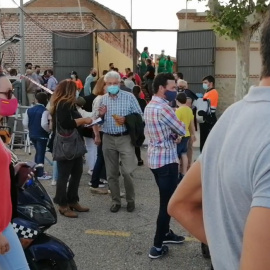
(95, 122)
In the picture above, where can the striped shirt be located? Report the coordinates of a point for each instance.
(161, 122)
(122, 104)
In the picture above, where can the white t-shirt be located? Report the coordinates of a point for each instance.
(236, 175)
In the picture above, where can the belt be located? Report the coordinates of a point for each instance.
(118, 134)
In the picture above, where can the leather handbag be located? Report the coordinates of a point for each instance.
(67, 144)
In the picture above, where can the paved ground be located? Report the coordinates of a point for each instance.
(104, 240)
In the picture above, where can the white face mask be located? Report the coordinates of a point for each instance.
(73, 76)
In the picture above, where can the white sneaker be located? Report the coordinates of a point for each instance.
(45, 177)
(53, 183)
(104, 181)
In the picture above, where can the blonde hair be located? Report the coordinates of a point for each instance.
(183, 83)
(65, 91)
(99, 87)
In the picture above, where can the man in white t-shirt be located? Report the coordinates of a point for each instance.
(224, 199)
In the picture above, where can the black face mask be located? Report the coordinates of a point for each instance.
(94, 74)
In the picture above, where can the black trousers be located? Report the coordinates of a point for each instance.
(138, 153)
(167, 179)
(205, 129)
(68, 170)
(99, 170)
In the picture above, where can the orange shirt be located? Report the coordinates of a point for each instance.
(79, 84)
(212, 95)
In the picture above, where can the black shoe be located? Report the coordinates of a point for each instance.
(154, 253)
(140, 162)
(172, 238)
(130, 206)
(115, 208)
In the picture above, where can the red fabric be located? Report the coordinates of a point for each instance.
(142, 95)
(5, 197)
(138, 79)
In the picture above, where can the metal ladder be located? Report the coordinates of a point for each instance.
(21, 133)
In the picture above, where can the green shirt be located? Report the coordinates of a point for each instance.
(161, 62)
(169, 65)
(144, 56)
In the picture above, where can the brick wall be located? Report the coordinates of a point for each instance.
(226, 88)
(38, 43)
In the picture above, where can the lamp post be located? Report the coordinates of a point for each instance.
(186, 15)
(23, 101)
(131, 13)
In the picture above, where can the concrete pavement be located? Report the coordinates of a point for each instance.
(121, 241)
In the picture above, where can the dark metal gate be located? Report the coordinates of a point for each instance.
(72, 54)
(196, 56)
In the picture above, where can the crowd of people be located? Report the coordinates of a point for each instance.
(222, 199)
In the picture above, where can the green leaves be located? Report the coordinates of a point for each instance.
(230, 19)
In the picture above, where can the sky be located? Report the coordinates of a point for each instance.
(148, 14)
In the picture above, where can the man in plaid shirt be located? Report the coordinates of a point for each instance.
(163, 129)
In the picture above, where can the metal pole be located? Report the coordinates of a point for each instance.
(134, 51)
(186, 15)
(131, 13)
(23, 101)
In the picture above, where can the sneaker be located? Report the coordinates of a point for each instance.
(155, 254)
(100, 185)
(45, 177)
(98, 191)
(104, 181)
(172, 238)
(53, 183)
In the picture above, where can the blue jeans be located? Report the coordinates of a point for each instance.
(40, 146)
(167, 179)
(14, 259)
(55, 170)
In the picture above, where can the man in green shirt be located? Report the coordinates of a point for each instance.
(161, 62)
(144, 56)
(169, 65)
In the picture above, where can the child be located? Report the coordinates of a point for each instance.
(185, 115)
(36, 120)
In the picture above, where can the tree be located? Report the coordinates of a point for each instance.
(238, 20)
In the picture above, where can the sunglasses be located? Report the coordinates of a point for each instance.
(8, 94)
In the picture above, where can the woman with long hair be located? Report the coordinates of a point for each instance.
(137, 92)
(11, 253)
(64, 113)
(99, 171)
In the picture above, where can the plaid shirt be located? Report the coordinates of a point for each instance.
(161, 122)
(122, 104)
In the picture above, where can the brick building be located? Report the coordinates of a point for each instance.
(222, 56)
(59, 35)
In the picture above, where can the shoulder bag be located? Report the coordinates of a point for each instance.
(67, 144)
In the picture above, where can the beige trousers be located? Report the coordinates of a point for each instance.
(114, 150)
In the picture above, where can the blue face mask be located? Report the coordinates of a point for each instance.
(113, 89)
(170, 95)
(205, 86)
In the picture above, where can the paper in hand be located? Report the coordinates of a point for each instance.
(95, 122)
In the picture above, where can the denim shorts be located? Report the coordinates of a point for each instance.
(182, 147)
